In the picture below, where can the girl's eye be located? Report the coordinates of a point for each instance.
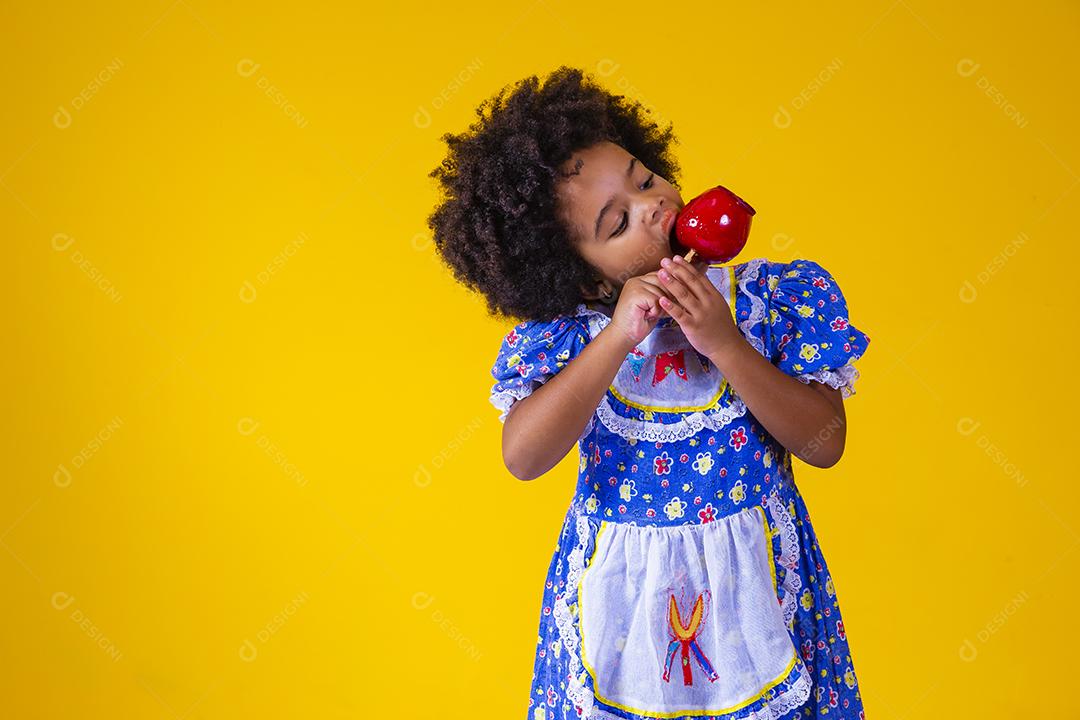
(648, 184)
(618, 230)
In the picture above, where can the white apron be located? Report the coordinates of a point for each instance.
(687, 620)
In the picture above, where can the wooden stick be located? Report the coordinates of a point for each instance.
(690, 255)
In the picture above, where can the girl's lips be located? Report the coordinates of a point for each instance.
(677, 248)
(668, 223)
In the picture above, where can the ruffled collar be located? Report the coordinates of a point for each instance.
(605, 310)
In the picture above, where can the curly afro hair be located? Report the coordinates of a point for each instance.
(498, 226)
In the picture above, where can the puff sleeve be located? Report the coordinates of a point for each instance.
(810, 335)
(531, 354)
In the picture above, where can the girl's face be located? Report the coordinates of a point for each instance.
(620, 212)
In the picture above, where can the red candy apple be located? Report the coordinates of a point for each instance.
(714, 225)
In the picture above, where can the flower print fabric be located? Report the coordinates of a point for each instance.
(810, 335)
(686, 523)
(531, 354)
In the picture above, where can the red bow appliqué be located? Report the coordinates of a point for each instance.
(667, 363)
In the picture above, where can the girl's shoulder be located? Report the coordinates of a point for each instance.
(532, 352)
(803, 322)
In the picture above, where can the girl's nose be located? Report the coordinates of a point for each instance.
(657, 215)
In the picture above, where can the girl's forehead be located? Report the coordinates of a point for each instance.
(600, 159)
(598, 169)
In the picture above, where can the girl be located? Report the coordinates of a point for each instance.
(687, 580)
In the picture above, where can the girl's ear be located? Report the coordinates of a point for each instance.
(597, 291)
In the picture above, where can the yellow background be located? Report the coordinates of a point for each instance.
(251, 467)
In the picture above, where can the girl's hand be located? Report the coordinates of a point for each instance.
(638, 308)
(703, 314)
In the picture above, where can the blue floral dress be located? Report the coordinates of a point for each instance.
(687, 580)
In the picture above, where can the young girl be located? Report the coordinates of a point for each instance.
(687, 580)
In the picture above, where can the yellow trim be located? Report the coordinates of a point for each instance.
(639, 406)
(677, 713)
(723, 382)
(580, 599)
(731, 292)
(768, 549)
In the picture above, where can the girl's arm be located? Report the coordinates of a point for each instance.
(808, 419)
(542, 427)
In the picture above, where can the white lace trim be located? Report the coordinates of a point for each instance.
(789, 557)
(799, 692)
(588, 428)
(564, 620)
(503, 399)
(597, 320)
(843, 377)
(794, 697)
(633, 429)
(757, 305)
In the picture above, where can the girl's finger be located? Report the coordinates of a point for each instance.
(655, 312)
(677, 287)
(690, 274)
(657, 289)
(653, 280)
(673, 309)
(660, 291)
(654, 306)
